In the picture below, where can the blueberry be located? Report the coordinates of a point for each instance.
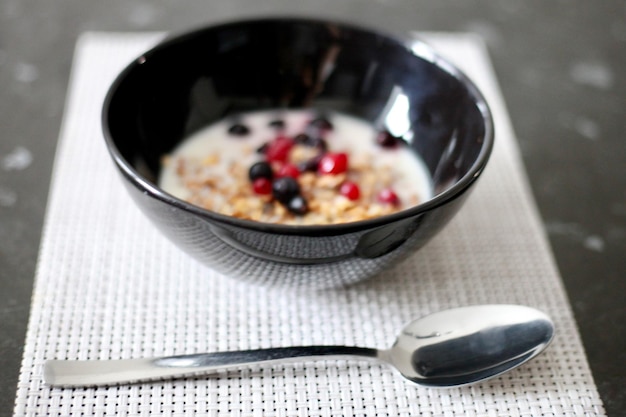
(302, 139)
(284, 189)
(277, 124)
(310, 165)
(310, 141)
(318, 143)
(321, 122)
(297, 205)
(387, 140)
(239, 129)
(260, 170)
(263, 148)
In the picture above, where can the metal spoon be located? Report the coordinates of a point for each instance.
(450, 348)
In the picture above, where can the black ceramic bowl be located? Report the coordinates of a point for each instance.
(198, 78)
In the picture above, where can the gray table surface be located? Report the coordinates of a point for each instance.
(560, 65)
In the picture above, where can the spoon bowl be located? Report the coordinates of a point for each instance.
(469, 344)
(446, 349)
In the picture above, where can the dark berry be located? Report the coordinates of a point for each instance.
(277, 124)
(302, 139)
(297, 205)
(321, 122)
(278, 149)
(239, 129)
(333, 163)
(288, 170)
(318, 143)
(311, 142)
(350, 190)
(260, 170)
(262, 186)
(388, 196)
(285, 188)
(310, 165)
(387, 140)
(263, 148)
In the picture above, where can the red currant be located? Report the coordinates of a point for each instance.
(333, 163)
(388, 196)
(262, 186)
(288, 170)
(278, 149)
(350, 190)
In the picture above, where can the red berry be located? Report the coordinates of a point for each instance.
(288, 170)
(350, 190)
(262, 186)
(333, 163)
(388, 196)
(278, 149)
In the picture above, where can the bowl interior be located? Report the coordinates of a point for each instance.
(199, 78)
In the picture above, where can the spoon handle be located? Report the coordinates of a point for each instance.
(68, 373)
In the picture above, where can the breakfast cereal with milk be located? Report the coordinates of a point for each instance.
(296, 167)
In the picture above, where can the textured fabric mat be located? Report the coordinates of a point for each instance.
(108, 285)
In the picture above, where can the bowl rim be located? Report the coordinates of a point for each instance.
(412, 44)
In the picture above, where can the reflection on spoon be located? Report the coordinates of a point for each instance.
(450, 348)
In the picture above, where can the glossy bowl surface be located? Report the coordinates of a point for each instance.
(197, 78)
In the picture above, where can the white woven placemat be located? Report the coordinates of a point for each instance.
(108, 285)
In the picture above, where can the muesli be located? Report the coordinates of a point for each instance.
(296, 167)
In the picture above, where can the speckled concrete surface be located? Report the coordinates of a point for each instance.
(560, 65)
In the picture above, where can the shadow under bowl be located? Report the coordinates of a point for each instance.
(195, 79)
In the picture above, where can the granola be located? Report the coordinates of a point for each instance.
(297, 170)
